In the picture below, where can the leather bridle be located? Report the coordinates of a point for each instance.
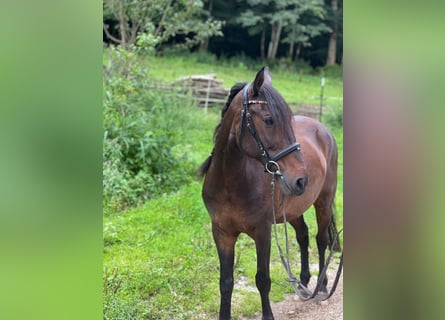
(271, 165)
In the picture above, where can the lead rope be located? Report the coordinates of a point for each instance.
(292, 279)
(322, 275)
(285, 260)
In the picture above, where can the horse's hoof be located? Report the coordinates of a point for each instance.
(301, 295)
(323, 302)
(301, 298)
(322, 298)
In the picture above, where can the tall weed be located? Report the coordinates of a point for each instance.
(142, 125)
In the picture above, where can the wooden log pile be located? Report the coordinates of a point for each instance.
(206, 89)
(308, 110)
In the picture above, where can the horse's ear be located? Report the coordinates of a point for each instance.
(262, 77)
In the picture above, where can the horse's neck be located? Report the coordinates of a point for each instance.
(231, 162)
(226, 147)
(230, 157)
(235, 165)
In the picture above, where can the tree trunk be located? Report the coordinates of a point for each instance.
(161, 23)
(274, 40)
(204, 45)
(263, 44)
(297, 54)
(332, 48)
(277, 40)
(291, 51)
(122, 25)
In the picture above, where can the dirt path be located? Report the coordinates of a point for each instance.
(311, 310)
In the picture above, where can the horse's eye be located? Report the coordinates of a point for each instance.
(268, 121)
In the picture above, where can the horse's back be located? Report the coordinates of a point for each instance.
(320, 152)
(313, 133)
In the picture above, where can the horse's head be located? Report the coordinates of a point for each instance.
(265, 133)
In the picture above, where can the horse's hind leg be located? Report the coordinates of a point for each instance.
(324, 212)
(324, 207)
(225, 245)
(301, 230)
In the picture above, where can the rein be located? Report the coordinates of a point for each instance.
(285, 259)
(271, 165)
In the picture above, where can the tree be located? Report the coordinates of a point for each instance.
(255, 19)
(299, 19)
(162, 20)
(306, 21)
(335, 14)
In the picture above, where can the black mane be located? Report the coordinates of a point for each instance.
(233, 92)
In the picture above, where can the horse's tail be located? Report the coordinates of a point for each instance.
(333, 233)
(205, 166)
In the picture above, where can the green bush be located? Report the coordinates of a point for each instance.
(303, 67)
(241, 61)
(204, 57)
(333, 114)
(141, 127)
(334, 71)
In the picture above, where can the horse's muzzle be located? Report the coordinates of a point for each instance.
(294, 187)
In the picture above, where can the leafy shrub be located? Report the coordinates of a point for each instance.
(333, 115)
(241, 61)
(141, 127)
(303, 67)
(204, 57)
(333, 71)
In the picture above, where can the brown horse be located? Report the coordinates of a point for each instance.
(257, 138)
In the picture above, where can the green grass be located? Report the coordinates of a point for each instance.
(161, 253)
(160, 261)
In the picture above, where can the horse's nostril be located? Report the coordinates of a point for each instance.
(302, 182)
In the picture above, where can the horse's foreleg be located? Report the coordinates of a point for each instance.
(302, 232)
(262, 278)
(225, 245)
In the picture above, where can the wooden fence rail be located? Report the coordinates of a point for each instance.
(208, 91)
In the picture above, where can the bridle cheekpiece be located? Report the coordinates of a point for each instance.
(271, 165)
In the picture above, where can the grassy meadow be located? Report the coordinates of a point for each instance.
(159, 258)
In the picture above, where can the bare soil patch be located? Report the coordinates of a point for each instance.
(310, 310)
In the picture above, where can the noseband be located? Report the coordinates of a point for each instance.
(271, 165)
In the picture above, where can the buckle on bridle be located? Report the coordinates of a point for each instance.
(273, 168)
